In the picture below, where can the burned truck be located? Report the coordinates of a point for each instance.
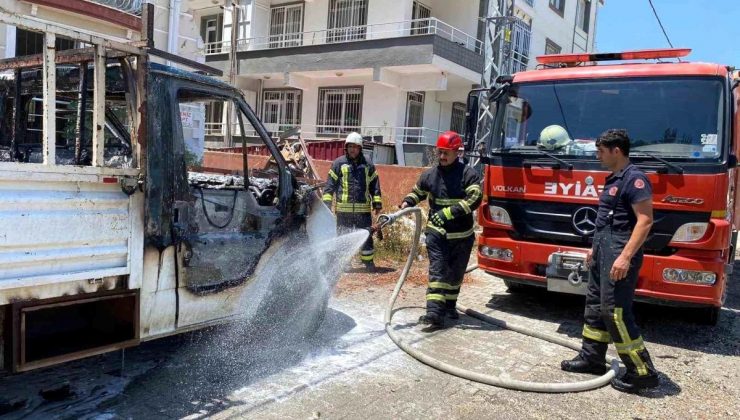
(111, 230)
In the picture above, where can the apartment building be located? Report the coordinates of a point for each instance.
(393, 70)
(552, 27)
(397, 71)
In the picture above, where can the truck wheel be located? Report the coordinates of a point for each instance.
(514, 287)
(709, 316)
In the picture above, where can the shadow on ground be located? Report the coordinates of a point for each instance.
(177, 376)
(672, 326)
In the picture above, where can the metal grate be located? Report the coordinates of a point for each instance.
(457, 122)
(420, 16)
(347, 20)
(286, 26)
(340, 110)
(281, 109)
(129, 6)
(414, 117)
(520, 38)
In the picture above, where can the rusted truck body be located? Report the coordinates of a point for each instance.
(110, 231)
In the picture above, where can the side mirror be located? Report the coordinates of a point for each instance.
(471, 121)
(731, 161)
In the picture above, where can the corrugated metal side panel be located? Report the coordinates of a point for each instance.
(63, 231)
(321, 150)
(325, 150)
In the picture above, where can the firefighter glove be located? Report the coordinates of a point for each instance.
(437, 219)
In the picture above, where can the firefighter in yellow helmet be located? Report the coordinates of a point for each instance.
(354, 182)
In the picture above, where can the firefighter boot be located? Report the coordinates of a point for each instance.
(451, 310)
(580, 365)
(432, 319)
(370, 267)
(632, 382)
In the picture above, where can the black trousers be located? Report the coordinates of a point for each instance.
(448, 259)
(347, 222)
(608, 315)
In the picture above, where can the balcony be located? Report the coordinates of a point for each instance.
(413, 42)
(418, 27)
(377, 134)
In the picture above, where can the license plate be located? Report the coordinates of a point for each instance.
(567, 273)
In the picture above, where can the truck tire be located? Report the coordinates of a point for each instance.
(515, 287)
(709, 316)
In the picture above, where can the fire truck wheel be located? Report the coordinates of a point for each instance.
(515, 287)
(709, 316)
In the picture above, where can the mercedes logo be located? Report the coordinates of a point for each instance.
(584, 220)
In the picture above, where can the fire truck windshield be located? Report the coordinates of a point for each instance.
(679, 118)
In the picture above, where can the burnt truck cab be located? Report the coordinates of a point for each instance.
(114, 229)
(542, 197)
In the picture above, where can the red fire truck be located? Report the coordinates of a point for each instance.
(542, 191)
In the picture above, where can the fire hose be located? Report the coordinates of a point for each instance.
(558, 387)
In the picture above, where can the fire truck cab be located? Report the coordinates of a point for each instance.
(542, 179)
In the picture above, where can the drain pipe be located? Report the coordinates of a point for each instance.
(561, 387)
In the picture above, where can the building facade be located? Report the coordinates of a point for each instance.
(397, 71)
(393, 70)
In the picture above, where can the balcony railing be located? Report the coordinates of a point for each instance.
(378, 134)
(417, 27)
(129, 6)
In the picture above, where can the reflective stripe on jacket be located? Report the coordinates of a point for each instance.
(355, 185)
(455, 192)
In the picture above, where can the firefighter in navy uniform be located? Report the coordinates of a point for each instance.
(454, 192)
(355, 183)
(625, 216)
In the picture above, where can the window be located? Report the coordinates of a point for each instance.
(457, 122)
(414, 117)
(583, 14)
(22, 118)
(520, 46)
(420, 15)
(212, 33)
(281, 109)
(558, 6)
(340, 110)
(551, 47)
(286, 25)
(30, 43)
(214, 124)
(347, 20)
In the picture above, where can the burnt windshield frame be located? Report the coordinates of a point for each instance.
(496, 140)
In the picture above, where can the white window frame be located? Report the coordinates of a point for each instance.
(414, 131)
(457, 117)
(347, 20)
(420, 11)
(583, 15)
(345, 106)
(212, 46)
(282, 99)
(520, 40)
(288, 32)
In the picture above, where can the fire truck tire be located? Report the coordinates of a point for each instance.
(516, 287)
(709, 316)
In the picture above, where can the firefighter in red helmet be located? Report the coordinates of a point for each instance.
(454, 192)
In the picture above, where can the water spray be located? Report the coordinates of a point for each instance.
(598, 382)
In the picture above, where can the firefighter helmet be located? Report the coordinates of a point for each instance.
(449, 140)
(353, 138)
(553, 137)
